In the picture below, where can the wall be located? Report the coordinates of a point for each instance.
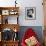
(39, 13)
(37, 30)
(6, 3)
(25, 3)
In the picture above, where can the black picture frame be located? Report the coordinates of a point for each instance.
(30, 13)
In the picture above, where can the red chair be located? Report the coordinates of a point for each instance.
(29, 33)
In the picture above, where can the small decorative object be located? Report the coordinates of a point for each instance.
(5, 12)
(30, 13)
(6, 21)
(13, 12)
(15, 30)
(15, 36)
(15, 3)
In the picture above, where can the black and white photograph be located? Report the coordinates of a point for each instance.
(30, 12)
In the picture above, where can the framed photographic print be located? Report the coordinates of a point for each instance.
(30, 13)
(5, 12)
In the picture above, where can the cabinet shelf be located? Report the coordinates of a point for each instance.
(10, 26)
(5, 12)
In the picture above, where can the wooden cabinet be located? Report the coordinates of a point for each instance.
(8, 25)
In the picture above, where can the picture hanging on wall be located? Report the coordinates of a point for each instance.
(30, 13)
